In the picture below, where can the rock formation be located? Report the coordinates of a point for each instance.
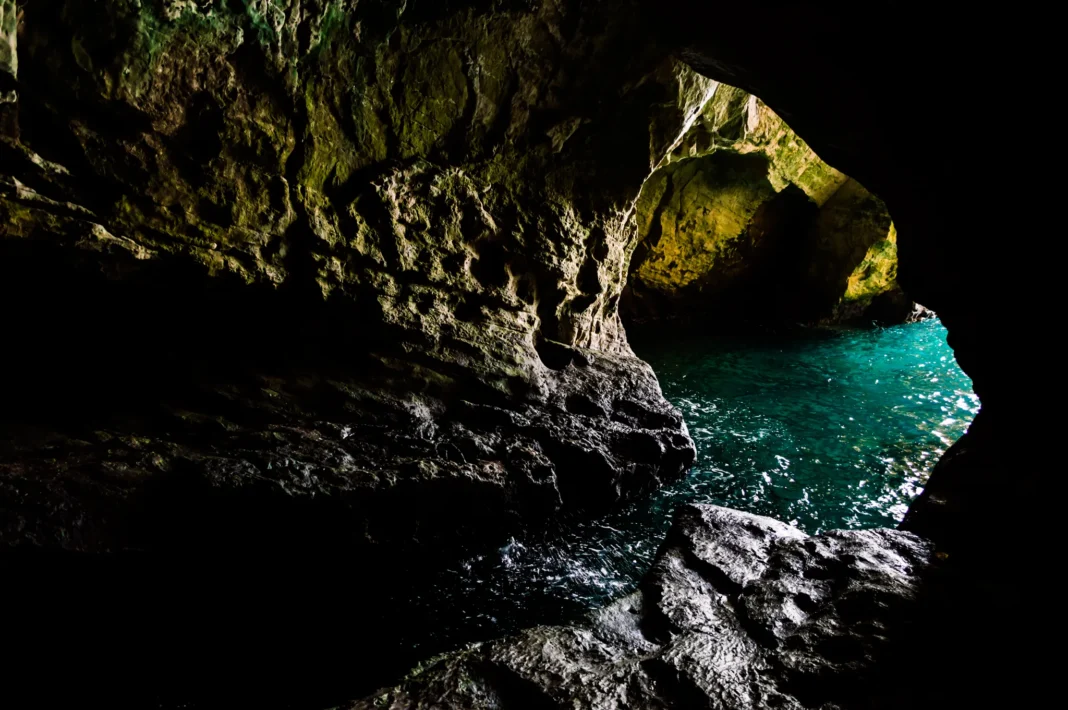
(738, 611)
(743, 221)
(385, 245)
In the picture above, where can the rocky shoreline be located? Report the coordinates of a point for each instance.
(737, 611)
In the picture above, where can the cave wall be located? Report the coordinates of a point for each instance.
(307, 299)
(743, 221)
(9, 66)
(106, 177)
(329, 148)
(368, 253)
(853, 261)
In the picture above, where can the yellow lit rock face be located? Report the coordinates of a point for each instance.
(8, 29)
(847, 227)
(703, 212)
(9, 65)
(709, 217)
(872, 291)
(877, 273)
(737, 122)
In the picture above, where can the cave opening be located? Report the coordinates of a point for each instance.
(763, 291)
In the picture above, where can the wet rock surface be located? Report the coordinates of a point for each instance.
(738, 611)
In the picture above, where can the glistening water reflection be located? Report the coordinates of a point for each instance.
(824, 430)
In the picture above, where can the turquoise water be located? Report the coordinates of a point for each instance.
(833, 430)
(823, 430)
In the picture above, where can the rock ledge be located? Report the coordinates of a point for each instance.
(738, 611)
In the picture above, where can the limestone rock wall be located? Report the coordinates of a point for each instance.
(853, 266)
(9, 62)
(215, 214)
(446, 166)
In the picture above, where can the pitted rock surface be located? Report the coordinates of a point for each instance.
(357, 259)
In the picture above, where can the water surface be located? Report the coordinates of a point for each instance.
(827, 429)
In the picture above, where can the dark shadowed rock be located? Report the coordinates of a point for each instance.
(283, 462)
(738, 611)
(357, 259)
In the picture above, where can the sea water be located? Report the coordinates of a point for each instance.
(823, 429)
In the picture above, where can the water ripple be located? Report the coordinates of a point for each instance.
(829, 430)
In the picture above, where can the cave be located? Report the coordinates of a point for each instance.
(741, 224)
(321, 314)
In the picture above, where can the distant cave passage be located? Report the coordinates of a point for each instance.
(745, 223)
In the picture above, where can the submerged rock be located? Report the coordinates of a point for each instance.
(738, 611)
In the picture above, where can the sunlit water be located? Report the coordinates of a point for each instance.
(823, 430)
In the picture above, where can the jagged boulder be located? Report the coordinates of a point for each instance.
(737, 611)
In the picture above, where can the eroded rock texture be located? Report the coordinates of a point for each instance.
(738, 611)
(743, 221)
(302, 299)
(359, 254)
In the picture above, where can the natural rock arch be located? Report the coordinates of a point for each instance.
(743, 221)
